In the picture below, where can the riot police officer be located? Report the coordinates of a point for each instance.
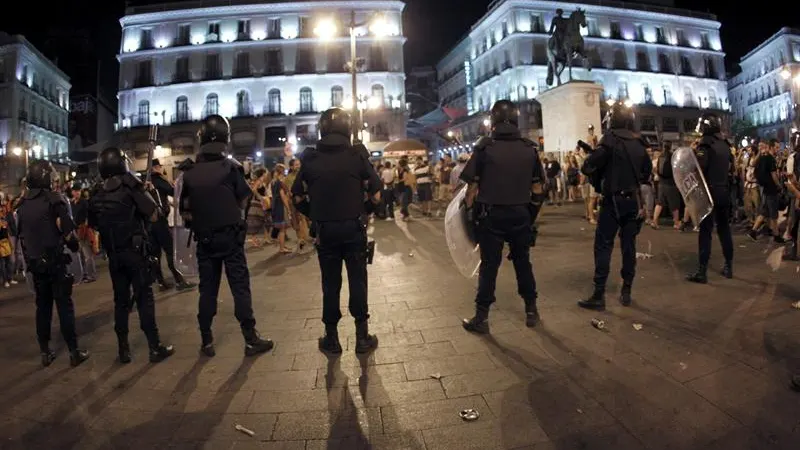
(716, 161)
(119, 209)
(333, 179)
(616, 168)
(45, 227)
(505, 179)
(213, 199)
(160, 234)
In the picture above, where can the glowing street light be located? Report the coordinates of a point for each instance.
(450, 134)
(374, 103)
(325, 29)
(380, 28)
(17, 151)
(487, 123)
(258, 154)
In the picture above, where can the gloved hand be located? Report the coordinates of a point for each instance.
(73, 245)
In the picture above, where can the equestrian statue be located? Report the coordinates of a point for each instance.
(565, 44)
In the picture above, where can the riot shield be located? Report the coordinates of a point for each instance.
(185, 248)
(463, 249)
(690, 181)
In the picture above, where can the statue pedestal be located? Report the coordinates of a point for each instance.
(567, 112)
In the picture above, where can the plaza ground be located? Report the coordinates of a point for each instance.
(708, 369)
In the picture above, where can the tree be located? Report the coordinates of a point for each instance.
(742, 128)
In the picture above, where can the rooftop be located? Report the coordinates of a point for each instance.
(133, 8)
(8, 39)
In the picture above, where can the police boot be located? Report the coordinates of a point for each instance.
(124, 349)
(531, 314)
(48, 356)
(727, 270)
(596, 301)
(479, 323)
(254, 344)
(330, 342)
(160, 352)
(699, 276)
(77, 356)
(365, 342)
(207, 345)
(625, 295)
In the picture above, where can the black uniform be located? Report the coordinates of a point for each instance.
(505, 168)
(119, 209)
(161, 236)
(716, 162)
(43, 241)
(617, 168)
(333, 177)
(213, 199)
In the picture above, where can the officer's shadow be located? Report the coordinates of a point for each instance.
(278, 264)
(172, 423)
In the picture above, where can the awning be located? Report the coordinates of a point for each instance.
(405, 147)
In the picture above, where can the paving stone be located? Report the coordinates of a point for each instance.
(477, 383)
(437, 414)
(344, 376)
(350, 423)
(452, 365)
(261, 445)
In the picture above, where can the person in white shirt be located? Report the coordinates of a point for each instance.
(387, 195)
(422, 172)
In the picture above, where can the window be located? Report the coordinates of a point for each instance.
(212, 105)
(522, 92)
(648, 123)
(213, 70)
(242, 68)
(661, 37)
(704, 42)
(688, 98)
(712, 99)
(274, 137)
(647, 95)
(181, 109)
(335, 59)
(274, 102)
(181, 70)
(615, 31)
(144, 74)
(305, 27)
(143, 117)
(378, 95)
(681, 38)
(663, 63)
(536, 23)
(686, 66)
(622, 90)
(642, 61)
(306, 100)
(620, 60)
(243, 104)
(305, 61)
(213, 32)
(147, 39)
(377, 61)
(638, 33)
(243, 29)
(274, 29)
(670, 124)
(274, 62)
(184, 35)
(337, 96)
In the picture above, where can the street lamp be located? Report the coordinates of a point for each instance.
(17, 151)
(326, 30)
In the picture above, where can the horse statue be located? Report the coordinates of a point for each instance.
(566, 45)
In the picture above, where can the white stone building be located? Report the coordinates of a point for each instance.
(764, 93)
(262, 66)
(34, 102)
(668, 61)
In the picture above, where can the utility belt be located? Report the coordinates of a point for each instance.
(50, 262)
(362, 222)
(209, 235)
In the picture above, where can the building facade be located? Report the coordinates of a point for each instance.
(666, 60)
(263, 66)
(764, 93)
(34, 102)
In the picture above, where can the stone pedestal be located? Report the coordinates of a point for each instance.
(567, 112)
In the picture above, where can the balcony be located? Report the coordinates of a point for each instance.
(181, 77)
(274, 111)
(183, 116)
(214, 74)
(143, 81)
(140, 120)
(244, 110)
(242, 72)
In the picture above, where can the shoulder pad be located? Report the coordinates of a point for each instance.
(483, 143)
(55, 198)
(131, 181)
(606, 139)
(234, 165)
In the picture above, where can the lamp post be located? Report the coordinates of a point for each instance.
(326, 30)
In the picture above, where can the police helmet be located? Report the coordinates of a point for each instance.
(620, 116)
(559, 11)
(504, 111)
(334, 121)
(112, 161)
(214, 128)
(709, 123)
(40, 175)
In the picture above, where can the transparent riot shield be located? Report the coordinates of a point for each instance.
(692, 184)
(185, 249)
(464, 251)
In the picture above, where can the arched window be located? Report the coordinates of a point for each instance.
(143, 118)
(212, 105)
(522, 92)
(243, 104)
(274, 101)
(181, 109)
(377, 94)
(337, 96)
(712, 99)
(306, 100)
(688, 99)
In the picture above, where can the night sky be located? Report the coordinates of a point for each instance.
(432, 27)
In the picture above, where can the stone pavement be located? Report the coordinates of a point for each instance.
(708, 369)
